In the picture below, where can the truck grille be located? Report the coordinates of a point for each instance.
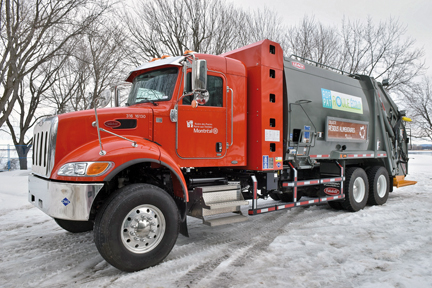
(44, 144)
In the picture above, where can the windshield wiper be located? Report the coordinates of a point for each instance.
(148, 100)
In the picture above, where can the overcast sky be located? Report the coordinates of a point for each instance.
(415, 14)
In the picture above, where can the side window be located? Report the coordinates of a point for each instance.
(214, 87)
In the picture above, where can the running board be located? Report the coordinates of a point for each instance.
(225, 220)
(220, 201)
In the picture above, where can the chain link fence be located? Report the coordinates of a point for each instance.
(9, 159)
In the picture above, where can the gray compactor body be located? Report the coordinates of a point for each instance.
(349, 118)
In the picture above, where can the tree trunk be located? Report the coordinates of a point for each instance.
(22, 151)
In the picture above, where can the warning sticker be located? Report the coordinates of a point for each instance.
(272, 135)
(265, 162)
(278, 161)
(268, 162)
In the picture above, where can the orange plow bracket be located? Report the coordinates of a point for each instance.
(399, 181)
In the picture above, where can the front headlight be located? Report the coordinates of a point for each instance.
(84, 168)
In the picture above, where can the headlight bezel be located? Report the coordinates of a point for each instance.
(81, 169)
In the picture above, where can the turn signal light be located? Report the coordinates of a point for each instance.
(165, 56)
(406, 119)
(154, 59)
(188, 52)
(97, 168)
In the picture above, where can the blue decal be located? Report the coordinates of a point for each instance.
(65, 201)
(265, 162)
(326, 98)
(278, 164)
(307, 134)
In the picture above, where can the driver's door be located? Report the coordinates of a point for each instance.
(202, 131)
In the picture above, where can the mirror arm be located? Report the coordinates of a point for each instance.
(96, 123)
(102, 152)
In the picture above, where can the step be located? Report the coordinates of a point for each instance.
(225, 220)
(207, 189)
(227, 204)
(222, 196)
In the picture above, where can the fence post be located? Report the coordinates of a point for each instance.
(9, 160)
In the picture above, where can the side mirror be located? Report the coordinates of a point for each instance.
(121, 93)
(198, 82)
(199, 75)
(104, 99)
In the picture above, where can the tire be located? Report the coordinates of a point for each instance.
(357, 185)
(337, 205)
(75, 226)
(378, 185)
(274, 196)
(137, 227)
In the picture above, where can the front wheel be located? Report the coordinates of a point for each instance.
(357, 186)
(137, 227)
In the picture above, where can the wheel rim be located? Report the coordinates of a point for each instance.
(381, 186)
(359, 189)
(143, 229)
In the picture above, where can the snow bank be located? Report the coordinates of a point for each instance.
(380, 246)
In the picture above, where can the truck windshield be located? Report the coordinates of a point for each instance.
(153, 86)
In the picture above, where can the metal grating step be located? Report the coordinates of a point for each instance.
(225, 220)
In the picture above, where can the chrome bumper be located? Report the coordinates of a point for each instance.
(68, 201)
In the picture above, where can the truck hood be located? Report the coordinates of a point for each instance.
(78, 128)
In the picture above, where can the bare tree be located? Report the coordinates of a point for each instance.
(312, 40)
(30, 94)
(95, 63)
(381, 50)
(419, 104)
(257, 25)
(105, 44)
(67, 83)
(33, 32)
(170, 27)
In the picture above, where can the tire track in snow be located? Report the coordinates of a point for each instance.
(251, 242)
(261, 245)
(190, 262)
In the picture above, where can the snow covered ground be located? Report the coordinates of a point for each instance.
(380, 246)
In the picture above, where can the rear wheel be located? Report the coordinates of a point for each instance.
(357, 187)
(378, 185)
(337, 205)
(137, 228)
(75, 226)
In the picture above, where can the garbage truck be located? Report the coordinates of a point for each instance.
(211, 137)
